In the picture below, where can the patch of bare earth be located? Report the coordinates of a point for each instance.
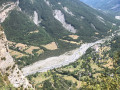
(29, 50)
(11, 43)
(36, 31)
(72, 42)
(74, 36)
(24, 48)
(51, 46)
(16, 53)
(21, 46)
(96, 33)
(109, 64)
(40, 51)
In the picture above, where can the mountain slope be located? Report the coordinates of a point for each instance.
(83, 19)
(111, 5)
(18, 27)
(41, 23)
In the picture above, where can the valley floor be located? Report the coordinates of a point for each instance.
(59, 61)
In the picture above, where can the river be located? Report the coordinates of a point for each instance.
(59, 61)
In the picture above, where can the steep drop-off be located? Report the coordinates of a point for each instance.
(8, 66)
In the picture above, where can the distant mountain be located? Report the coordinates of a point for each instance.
(111, 5)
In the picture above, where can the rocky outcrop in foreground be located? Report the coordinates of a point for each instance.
(8, 66)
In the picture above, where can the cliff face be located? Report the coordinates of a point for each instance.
(8, 66)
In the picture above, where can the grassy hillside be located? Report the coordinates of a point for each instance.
(54, 27)
(18, 27)
(20, 24)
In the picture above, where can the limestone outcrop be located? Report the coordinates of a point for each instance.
(60, 17)
(8, 66)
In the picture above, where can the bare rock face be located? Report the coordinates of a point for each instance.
(17, 2)
(47, 2)
(68, 11)
(60, 17)
(8, 66)
(117, 17)
(4, 10)
(101, 19)
(35, 19)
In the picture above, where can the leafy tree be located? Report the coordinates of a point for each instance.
(106, 82)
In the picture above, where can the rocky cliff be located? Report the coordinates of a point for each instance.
(8, 66)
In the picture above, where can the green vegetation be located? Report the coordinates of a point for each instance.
(51, 81)
(3, 58)
(83, 26)
(93, 71)
(52, 26)
(115, 43)
(33, 58)
(4, 1)
(18, 27)
(85, 31)
(107, 81)
(5, 84)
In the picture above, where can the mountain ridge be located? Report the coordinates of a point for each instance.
(107, 5)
